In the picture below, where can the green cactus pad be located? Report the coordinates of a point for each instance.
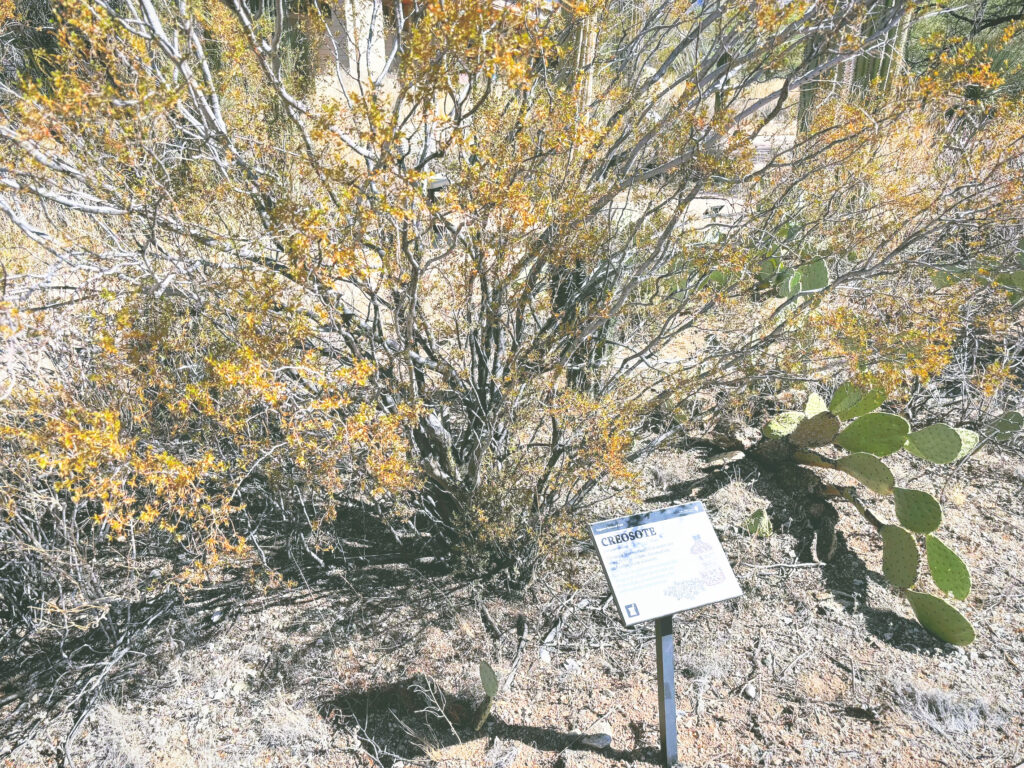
(814, 276)
(969, 440)
(845, 397)
(877, 433)
(867, 404)
(758, 524)
(869, 470)
(948, 571)
(938, 444)
(815, 405)
(789, 283)
(783, 424)
(917, 510)
(489, 679)
(815, 431)
(1006, 426)
(900, 557)
(941, 619)
(850, 401)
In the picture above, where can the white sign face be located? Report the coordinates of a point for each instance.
(662, 562)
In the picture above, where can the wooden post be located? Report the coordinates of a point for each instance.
(665, 642)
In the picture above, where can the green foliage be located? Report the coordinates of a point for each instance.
(816, 431)
(758, 524)
(878, 433)
(868, 435)
(937, 443)
(1004, 427)
(849, 401)
(789, 282)
(917, 510)
(815, 405)
(900, 557)
(783, 424)
(489, 679)
(968, 442)
(869, 470)
(940, 618)
(948, 571)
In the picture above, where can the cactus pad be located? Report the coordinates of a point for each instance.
(759, 524)
(968, 441)
(941, 619)
(917, 510)
(948, 571)
(815, 405)
(868, 470)
(814, 276)
(850, 401)
(815, 431)
(938, 444)
(489, 679)
(877, 433)
(900, 557)
(1005, 426)
(789, 283)
(783, 424)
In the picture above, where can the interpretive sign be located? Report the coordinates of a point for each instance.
(659, 563)
(662, 562)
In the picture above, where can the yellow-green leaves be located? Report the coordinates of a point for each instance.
(783, 424)
(815, 405)
(758, 524)
(968, 441)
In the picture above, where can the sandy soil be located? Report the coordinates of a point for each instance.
(377, 665)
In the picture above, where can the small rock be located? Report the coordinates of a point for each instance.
(749, 691)
(217, 615)
(721, 459)
(545, 655)
(597, 740)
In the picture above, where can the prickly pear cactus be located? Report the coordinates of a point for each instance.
(489, 681)
(815, 431)
(852, 424)
(938, 444)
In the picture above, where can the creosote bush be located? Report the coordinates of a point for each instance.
(459, 291)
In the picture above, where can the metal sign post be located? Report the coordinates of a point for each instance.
(659, 563)
(665, 643)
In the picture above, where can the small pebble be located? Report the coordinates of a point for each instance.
(750, 691)
(597, 740)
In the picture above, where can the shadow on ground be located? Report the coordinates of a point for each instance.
(845, 574)
(408, 721)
